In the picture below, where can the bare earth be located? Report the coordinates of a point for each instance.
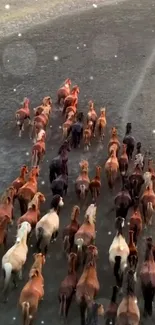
(109, 51)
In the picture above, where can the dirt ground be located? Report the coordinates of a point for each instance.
(109, 52)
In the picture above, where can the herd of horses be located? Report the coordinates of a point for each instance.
(136, 199)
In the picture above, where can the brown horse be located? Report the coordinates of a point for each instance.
(28, 190)
(6, 203)
(70, 99)
(92, 116)
(136, 224)
(101, 123)
(95, 184)
(38, 151)
(4, 222)
(112, 167)
(148, 204)
(68, 287)
(63, 92)
(70, 230)
(87, 135)
(67, 126)
(32, 292)
(88, 284)
(114, 143)
(21, 179)
(23, 114)
(33, 213)
(83, 181)
(45, 107)
(123, 161)
(136, 181)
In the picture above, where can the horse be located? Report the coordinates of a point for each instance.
(101, 123)
(33, 291)
(6, 203)
(82, 182)
(15, 258)
(33, 213)
(70, 230)
(70, 99)
(60, 184)
(47, 227)
(63, 92)
(129, 140)
(92, 116)
(59, 161)
(28, 190)
(23, 114)
(111, 168)
(77, 130)
(20, 180)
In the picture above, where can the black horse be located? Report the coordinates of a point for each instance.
(59, 163)
(123, 202)
(129, 140)
(77, 130)
(60, 184)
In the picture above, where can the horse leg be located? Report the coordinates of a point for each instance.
(29, 120)
(54, 236)
(23, 206)
(14, 279)
(20, 129)
(20, 274)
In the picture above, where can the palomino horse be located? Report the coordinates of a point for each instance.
(129, 140)
(88, 284)
(114, 143)
(86, 234)
(15, 257)
(148, 204)
(6, 203)
(111, 168)
(92, 116)
(28, 190)
(47, 227)
(33, 213)
(70, 99)
(59, 161)
(63, 92)
(101, 123)
(23, 114)
(33, 291)
(83, 181)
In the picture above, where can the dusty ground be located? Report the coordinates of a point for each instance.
(109, 52)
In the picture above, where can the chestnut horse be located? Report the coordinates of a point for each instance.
(23, 114)
(70, 230)
(101, 123)
(4, 222)
(63, 92)
(83, 181)
(88, 284)
(28, 190)
(21, 179)
(38, 151)
(112, 167)
(6, 203)
(70, 99)
(33, 291)
(92, 116)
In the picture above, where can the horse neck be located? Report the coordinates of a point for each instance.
(84, 173)
(113, 154)
(74, 215)
(26, 105)
(98, 173)
(72, 266)
(102, 114)
(90, 261)
(32, 178)
(124, 151)
(131, 242)
(22, 173)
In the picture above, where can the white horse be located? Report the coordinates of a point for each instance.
(148, 180)
(15, 257)
(48, 226)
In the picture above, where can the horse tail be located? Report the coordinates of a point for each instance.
(25, 312)
(117, 266)
(52, 174)
(40, 236)
(63, 305)
(65, 131)
(82, 191)
(149, 210)
(66, 244)
(111, 178)
(7, 268)
(34, 158)
(83, 307)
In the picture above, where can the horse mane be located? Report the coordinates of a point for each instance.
(90, 215)
(5, 196)
(34, 202)
(84, 165)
